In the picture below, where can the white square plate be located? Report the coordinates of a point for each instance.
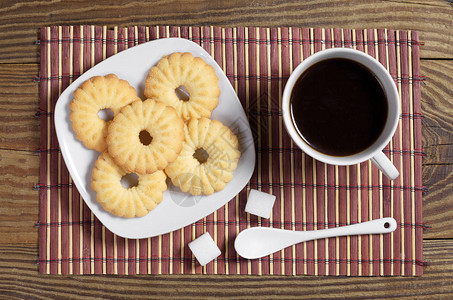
(177, 209)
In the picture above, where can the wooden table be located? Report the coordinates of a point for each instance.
(19, 137)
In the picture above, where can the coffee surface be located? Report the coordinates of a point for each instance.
(339, 107)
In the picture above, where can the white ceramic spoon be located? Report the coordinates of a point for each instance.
(257, 242)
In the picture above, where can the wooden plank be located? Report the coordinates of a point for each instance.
(438, 202)
(19, 278)
(19, 101)
(19, 166)
(437, 129)
(21, 19)
(19, 201)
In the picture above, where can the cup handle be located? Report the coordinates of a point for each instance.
(385, 165)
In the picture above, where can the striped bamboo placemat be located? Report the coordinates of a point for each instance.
(310, 194)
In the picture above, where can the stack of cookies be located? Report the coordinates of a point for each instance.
(166, 134)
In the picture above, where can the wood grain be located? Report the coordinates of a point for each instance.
(19, 100)
(19, 202)
(437, 106)
(19, 278)
(19, 165)
(437, 126)
(20, 20)
(438, 203)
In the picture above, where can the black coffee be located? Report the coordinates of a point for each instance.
(339, 107)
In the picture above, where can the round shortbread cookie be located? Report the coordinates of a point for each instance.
(130, 202)
(208, 158)
(183, 70)
(145, 136)
(94, 95)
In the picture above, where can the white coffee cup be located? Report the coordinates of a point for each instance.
(374, 152)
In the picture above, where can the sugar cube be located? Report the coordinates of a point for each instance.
(204, 249)
(260, 204)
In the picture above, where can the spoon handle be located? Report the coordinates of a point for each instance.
(383, 225)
